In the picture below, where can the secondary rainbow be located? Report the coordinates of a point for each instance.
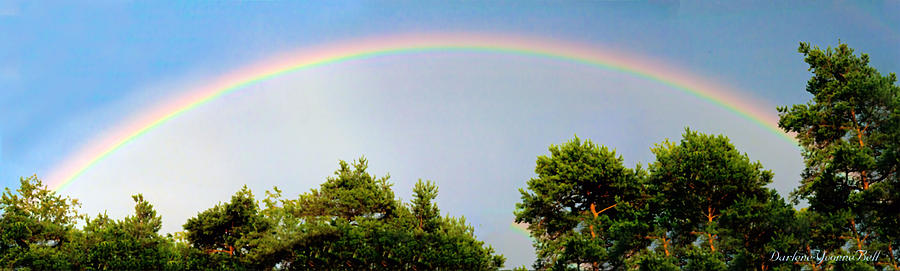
(702, 88)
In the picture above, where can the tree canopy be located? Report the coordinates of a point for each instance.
(700, 190)
(352, 221)
(703, 205)
(850, 135)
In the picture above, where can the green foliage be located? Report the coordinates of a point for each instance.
(705, 191)
(850, 135)
(701, 259)
(316, 231)
(691, 210)
(132, 243)
(35, 225)
(705, 206)
(754, 227)
(656, 262)
(697, 179)
(426, 212)
(580, 190)
(228, 229)
(352, 192)
(352, 222)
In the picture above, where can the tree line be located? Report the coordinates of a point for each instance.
(352, 222)
(701, 205)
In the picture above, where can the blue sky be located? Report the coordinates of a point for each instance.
(68, 72)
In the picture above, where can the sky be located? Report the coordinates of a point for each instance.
(474, 123)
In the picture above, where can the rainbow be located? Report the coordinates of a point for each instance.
(752, 110)
(522, 229)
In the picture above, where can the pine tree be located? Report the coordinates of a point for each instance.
(850, 135)
(35, 223)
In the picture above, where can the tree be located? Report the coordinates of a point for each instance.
(755, 227)
(426, 212)
(579, 193)
(702, 206)
(351, 193)
(225, 231)
(697, 180)
(353, 222)
(711, 203)
(34, 225)
(850, 135)
(132, 243)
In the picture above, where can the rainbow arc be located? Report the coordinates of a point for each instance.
(729, 99)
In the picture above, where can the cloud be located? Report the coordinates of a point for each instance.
(474, 124)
